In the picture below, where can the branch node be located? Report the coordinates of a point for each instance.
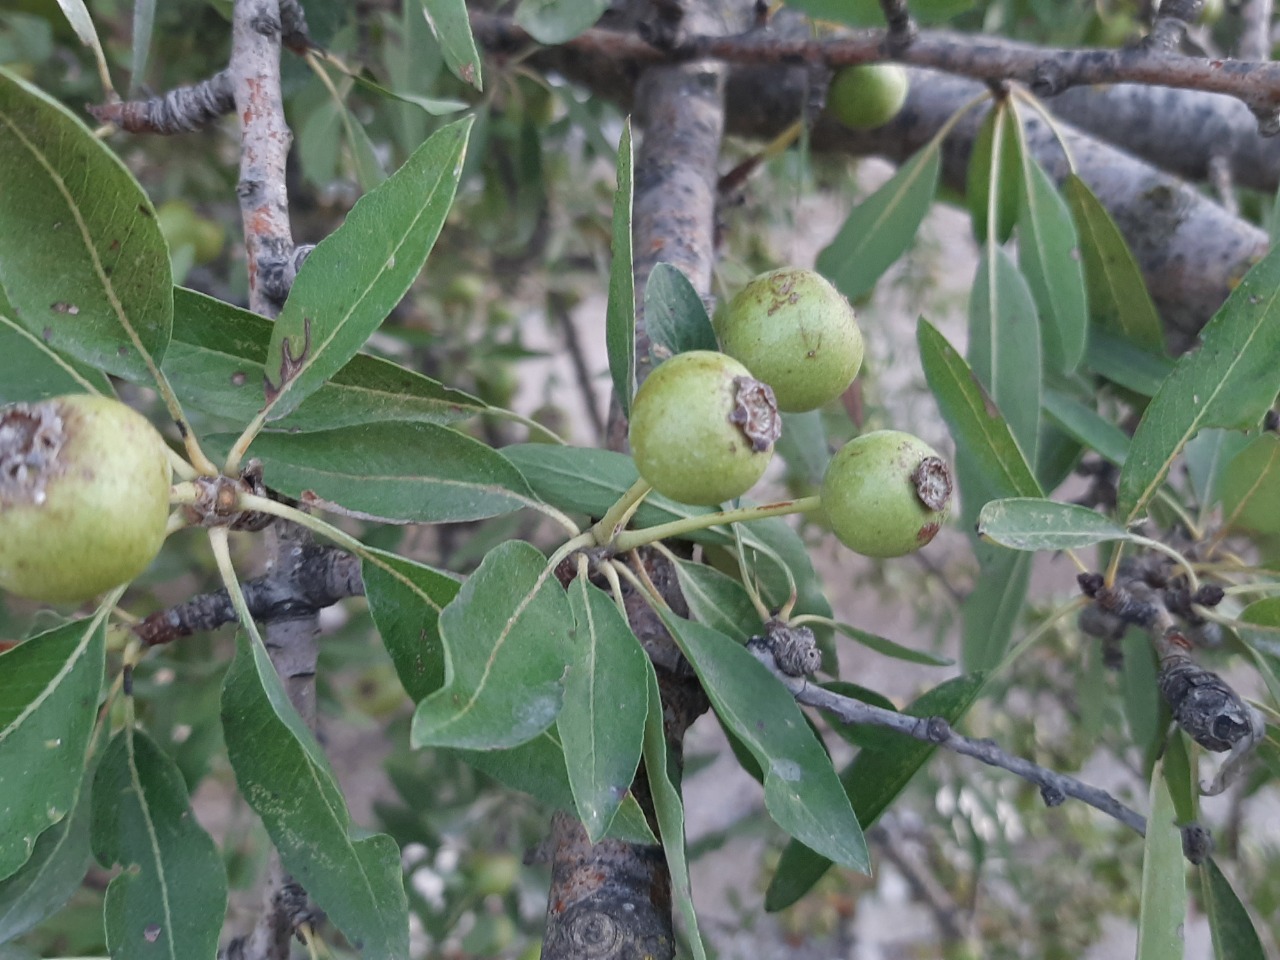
(1197, 843)
(1052, 795)
(937, 730)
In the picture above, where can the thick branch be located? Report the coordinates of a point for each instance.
(1192, 252)
(1054, 787)
(1046, 71)
(321, 577)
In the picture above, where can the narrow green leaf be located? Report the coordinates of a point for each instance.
(1049, 257)
(507, 637)
(405, 600)
(1141, 698)
(398, 472)
(620, 312)
(284, 776)
(888, 648)
(1163, 905)
(974, 420)
(77, 15)
(602, 723)
(1087, 425)
(1033, 523)
(358, 273)
(801, 790)
(872, 781)
(674, 315)
(449, 22)
(1118, 297)
(144, 18)
(664, 778)
(990, 612)
(558, 21)
(1231, 381)
(537, 767)
(215, 364)
(68, 200)
(1004, 345)
(54, 872)
(718, 601)
(1135, 368)
(31, 370)
(804, 446)
(1206, 456)
(170, 899)
(1234, 936)
(995, 169)
(1251, 487)
(881, 228)
(48, 702)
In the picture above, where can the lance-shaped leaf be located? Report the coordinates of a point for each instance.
(872, 781)
(405, 600)
(992, 608)
(882, 227)
(1004, 345)
(48, 701)
(68, 200)
(620, 311)
(1207, 456)
(1251, 487)
(717, 600)
(55, 869)
(398, 472)
(77, 15)
(537, 767)
(1049, 256)
(284, 776)
(995, 167)
(170, 899)
(449, 22)
(1123, 362)
(1118, 297)
(889, 648)
(668, 809)
(215, 363)
(359, 272)
(801, 790)
(507, 638)
(557, 21)
(31, 370)
(975, 422)
(1163, 904)
(1231, 381)
(1087, 425)
(605, 703)
(674, 315)
(1032, 523)
(1234, 937)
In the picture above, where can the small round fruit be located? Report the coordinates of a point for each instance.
(886, 493)
(702, 428)
(84, 497)
(796, 332)
(867, 95)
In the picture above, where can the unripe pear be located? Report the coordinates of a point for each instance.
(886, 493)
(84, 497)
(702, 428)
(867, 95)
(796, 332)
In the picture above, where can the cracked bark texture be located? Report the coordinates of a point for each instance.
(1192, 252)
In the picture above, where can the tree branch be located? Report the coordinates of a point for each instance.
(1045, 71)
(1054, 787)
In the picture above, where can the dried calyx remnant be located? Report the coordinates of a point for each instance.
(31, 437)
(794, 649)
(756, 413)
(1202, 703)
